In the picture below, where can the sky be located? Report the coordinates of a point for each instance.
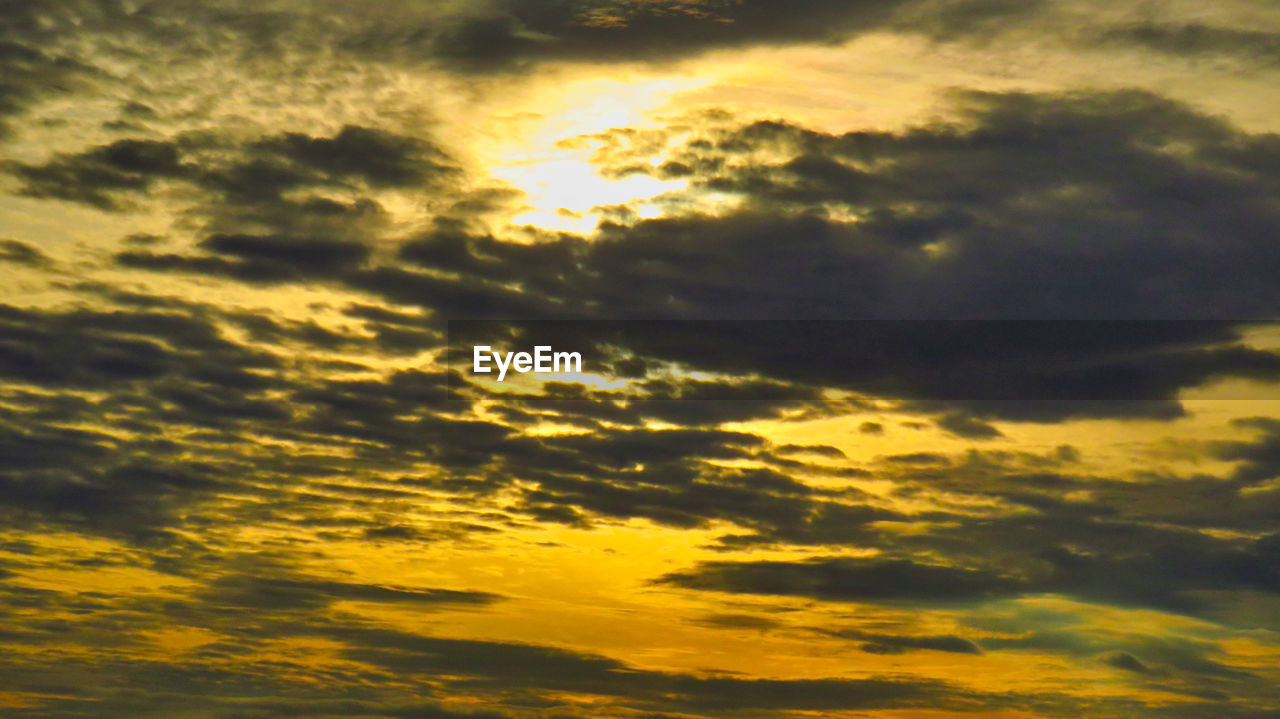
(931, 362)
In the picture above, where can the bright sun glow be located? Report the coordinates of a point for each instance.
(563, 188)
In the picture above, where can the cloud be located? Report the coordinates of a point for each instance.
(1168, 572)
(1259, 458)
(512, 667)
(1001, 232)
(963, 425)
(898, 644)
(101, 176)
(266, 593)
(1197, 39)
(20, 253)
(847, 580)
(100, 348)
(1127, 662)
(505, 36)
(376, 157)
(175, 398)
(146, 436)
(314, 255)
(968, 371)
(1041, 173)
(256, 172)
(925, 240)
(32, 74)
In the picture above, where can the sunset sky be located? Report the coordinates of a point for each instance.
(842, 445)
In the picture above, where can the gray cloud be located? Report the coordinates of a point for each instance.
(20, 253)
(898, 644)
(847, 580)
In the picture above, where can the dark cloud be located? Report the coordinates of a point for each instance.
(310, 255)
(1167, 571)
(967, 244)
(969, 371)
(1260, 458)
(182, 370)
(898, 644)
(102, 176)
(377, 157)
(493, 37)
(511, 667)
(513, 35)
(247, 179)
(821, 450)
(87, 479)
(847, 580)
(230, 676)
(916, 458)
(1173, 663)
(174, 398)
(99, 349)
(965, 426)
(267, 593)
(249, 272)
(1197, 39)
(1007, 237)
(20, 253)
(1127, 662)
(1003, 231)
(665, 475)
(29, 73)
